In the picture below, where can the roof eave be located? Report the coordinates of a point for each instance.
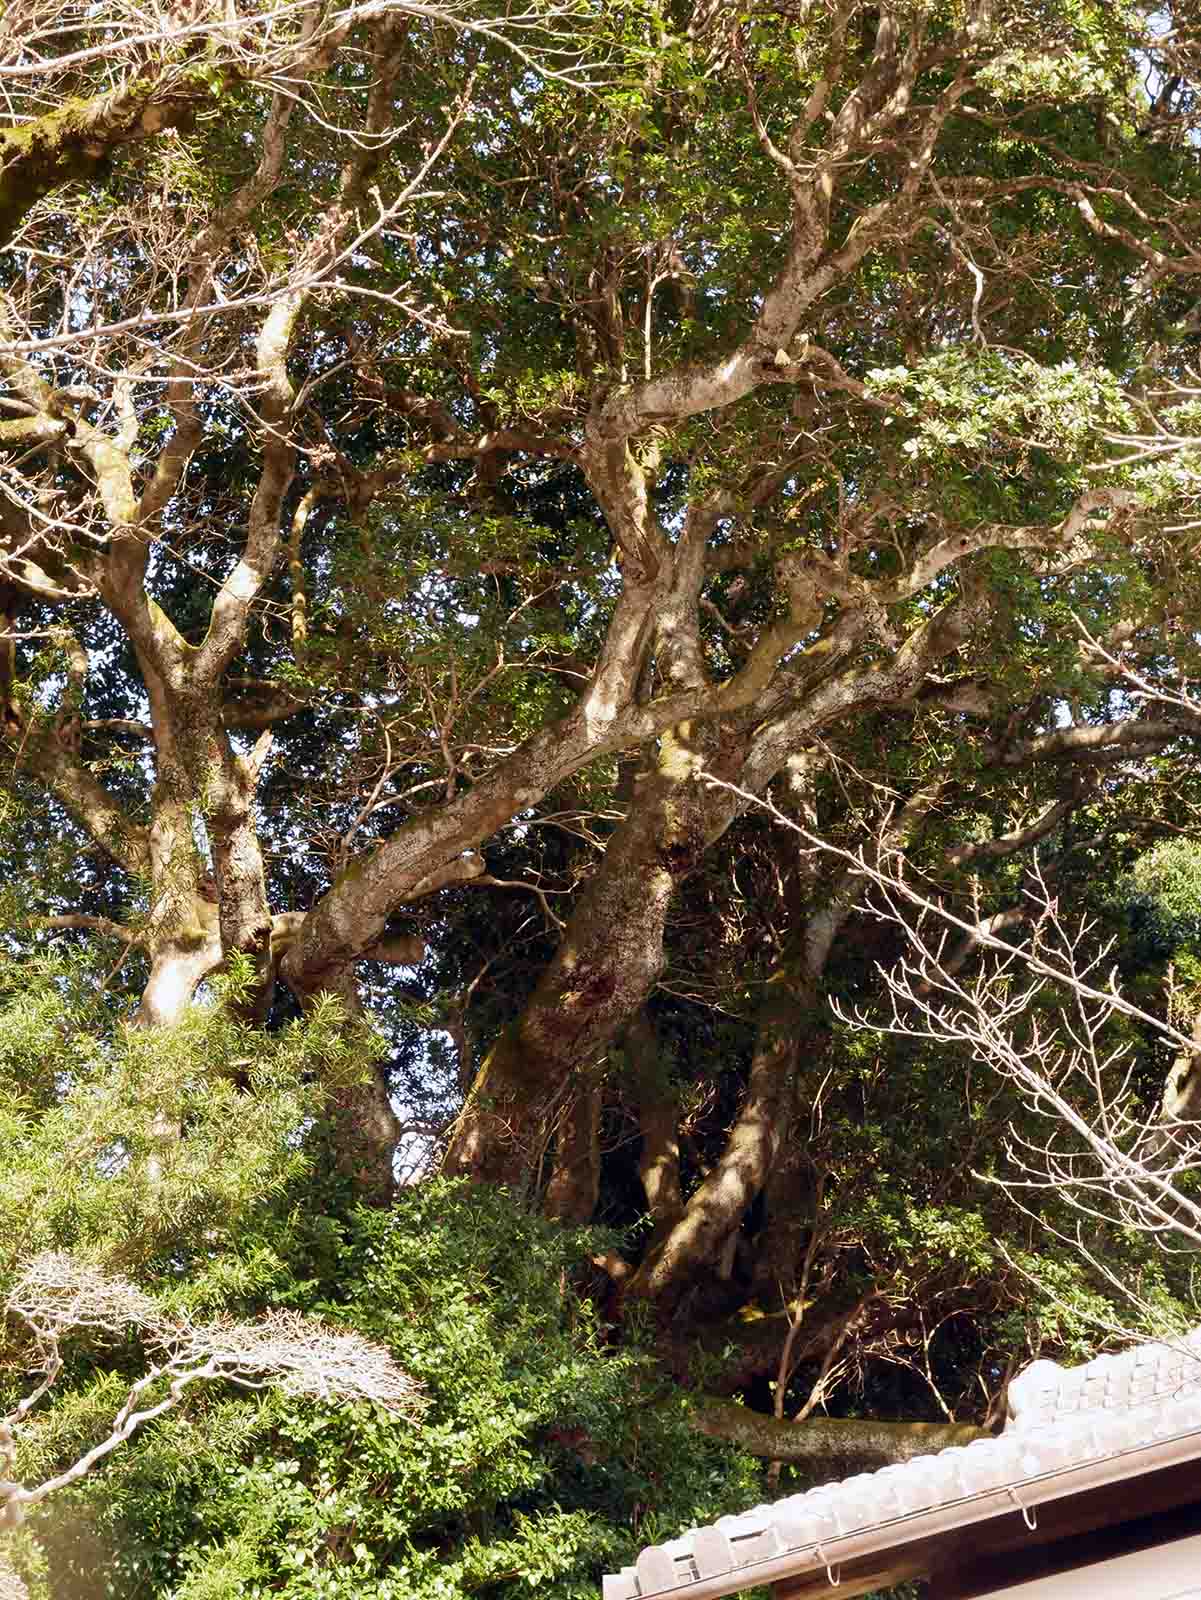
(1021, 1497)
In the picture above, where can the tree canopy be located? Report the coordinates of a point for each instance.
(567, 576)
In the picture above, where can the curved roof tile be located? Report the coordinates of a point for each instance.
(1069, 1429)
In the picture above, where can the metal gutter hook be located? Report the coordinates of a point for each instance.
(1029, 1517)
(833, 1574)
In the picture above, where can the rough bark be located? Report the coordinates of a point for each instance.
(364, 1128)
(610, 956)
(832, 1447)
(658, 1123)
(574, 1186)
(72, 142)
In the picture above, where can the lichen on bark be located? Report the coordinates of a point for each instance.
(73, 141)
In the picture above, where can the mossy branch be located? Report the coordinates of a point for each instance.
(833, 1447)
(73, 142)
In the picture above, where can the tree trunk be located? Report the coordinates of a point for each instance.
(790, 1031)
(574, 1186)
(365, 1132)
(364, 1128)
(179, 964)
(183, 937)
(182, 933)
(607, 964)
(1180, 1105)
(715, 1210)
(658, 1122)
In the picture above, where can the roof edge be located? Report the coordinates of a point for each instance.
(1183, 1445)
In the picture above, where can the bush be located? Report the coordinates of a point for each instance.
(543, 1455)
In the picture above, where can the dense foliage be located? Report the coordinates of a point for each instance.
(597, 671)
(540, 1456)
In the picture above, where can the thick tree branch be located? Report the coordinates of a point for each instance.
(42, 754)
(1134, 737)
(71, 143)
(834, 1447)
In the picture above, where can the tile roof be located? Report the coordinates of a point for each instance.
(1069, 1429)
(1043, 1392)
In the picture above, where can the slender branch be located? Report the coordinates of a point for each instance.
(104, 925)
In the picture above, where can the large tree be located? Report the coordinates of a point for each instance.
(457, 463)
